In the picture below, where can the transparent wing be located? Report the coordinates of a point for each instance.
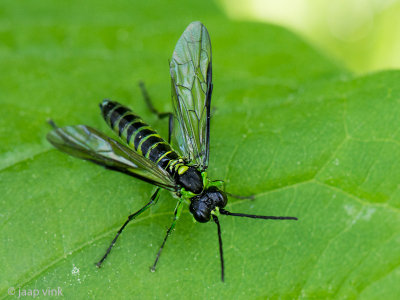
(191, 76)
(88, 143)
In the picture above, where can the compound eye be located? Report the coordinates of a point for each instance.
(219, 198)
(200, 211)
(223, 200)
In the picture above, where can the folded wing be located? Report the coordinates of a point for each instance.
(90, 144)
(191, 74)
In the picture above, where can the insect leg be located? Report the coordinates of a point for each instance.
(152, 201)
(221, 182)
(170, 126)
(150, 105)
(52, 124)
(177, 213)
(251, 197)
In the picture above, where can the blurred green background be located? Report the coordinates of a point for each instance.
(362, 34)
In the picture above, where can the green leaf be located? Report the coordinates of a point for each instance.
(302, 134)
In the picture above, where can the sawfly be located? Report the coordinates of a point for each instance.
(179, 166)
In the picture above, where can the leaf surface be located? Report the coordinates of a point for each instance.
(301, 133)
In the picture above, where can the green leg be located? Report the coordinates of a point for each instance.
(178, 211)
(153, 200)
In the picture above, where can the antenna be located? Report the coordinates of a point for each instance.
(221, 252)
(228, 213)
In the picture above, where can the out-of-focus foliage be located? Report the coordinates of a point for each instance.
(364, 34)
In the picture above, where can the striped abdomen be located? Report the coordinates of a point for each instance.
(137, 134)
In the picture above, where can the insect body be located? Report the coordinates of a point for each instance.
(180, 167)
(141, 137)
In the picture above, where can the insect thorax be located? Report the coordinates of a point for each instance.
(186, 176)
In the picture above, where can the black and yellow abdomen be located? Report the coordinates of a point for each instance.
(148, 143)
(137, 134)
